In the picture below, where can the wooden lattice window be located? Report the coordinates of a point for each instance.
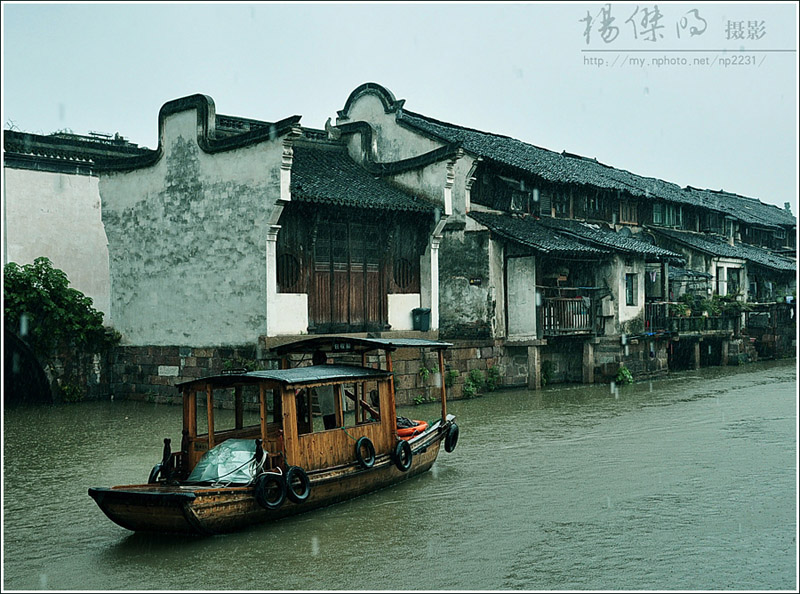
(288, 271)
(628, 212)
(403, 273)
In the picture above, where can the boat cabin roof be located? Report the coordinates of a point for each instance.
(338, 344)
(296, 376)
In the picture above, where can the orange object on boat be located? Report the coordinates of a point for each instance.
(409, 432)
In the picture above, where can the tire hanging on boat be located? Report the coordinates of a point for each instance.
(452, 438)
(403, 455)
(270, 490)
(366, 460)
(298, 486)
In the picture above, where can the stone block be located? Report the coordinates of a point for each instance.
(405, 382)
(168, 370)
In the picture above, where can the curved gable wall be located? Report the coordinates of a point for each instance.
(187, 238)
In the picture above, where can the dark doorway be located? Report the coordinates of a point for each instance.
(24, 381)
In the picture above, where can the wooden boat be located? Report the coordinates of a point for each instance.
(285, 462)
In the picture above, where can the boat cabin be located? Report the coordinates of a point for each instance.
(285, 421)
(310, 416)
(312, 432)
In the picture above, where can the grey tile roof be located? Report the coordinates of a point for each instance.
(716, 246)
(529, 232)
(67, 146)
(574, 169)
(326, 174)
(748, 210)
(621, 241)
(550, 165)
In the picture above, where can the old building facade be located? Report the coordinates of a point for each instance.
(235, 235)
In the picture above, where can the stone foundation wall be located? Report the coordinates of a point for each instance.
(151, 373)
(417, 378)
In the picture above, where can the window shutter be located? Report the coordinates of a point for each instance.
(545, 206)
(658, 216)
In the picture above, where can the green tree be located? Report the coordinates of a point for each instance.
(39, 303)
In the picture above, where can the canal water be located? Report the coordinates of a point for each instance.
(685, 483)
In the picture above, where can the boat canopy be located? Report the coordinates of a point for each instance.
(338, 344)
(296, 376)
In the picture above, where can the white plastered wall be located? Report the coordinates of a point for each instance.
(58, 216)
(188, 241)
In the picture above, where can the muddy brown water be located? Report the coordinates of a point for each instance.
(687, 482)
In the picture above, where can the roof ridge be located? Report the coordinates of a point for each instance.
(468, 129)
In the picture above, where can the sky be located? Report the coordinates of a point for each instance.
(700, 94)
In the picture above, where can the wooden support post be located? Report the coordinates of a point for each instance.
(192, 414)
(444, 388)
(186, 398)
(588, 362)
(210, 413)
(262, 407)
(363, 389)
(534, 368)
(238, 407)
(392, 407)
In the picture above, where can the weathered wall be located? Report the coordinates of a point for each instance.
(563, 361)
(188, 240)
(522, 297)
(44, 213)
(643, 357)
(391, 142)
(611, 273)
(467, 301)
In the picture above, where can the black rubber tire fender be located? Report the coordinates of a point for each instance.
(298, 486)
(403, 456)
(451, 439)
(270, 490)
(366, 461)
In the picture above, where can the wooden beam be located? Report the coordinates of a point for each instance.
(262, 406)
(210, 413)
(444, 388)
(192, 414)
(238, 407)
(392, 407)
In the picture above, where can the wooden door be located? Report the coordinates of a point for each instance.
(347, 292)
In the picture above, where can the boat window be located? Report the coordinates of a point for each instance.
(230, 420)
(323, 408)
(363, 404)
(304, 410)
(274, 407)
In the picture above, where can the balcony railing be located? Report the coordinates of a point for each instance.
(659, 317)
(559, 316)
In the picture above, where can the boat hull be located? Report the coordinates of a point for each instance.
(216, 510)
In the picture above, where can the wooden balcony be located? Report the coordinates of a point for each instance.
(563, 316)
(659, 317)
